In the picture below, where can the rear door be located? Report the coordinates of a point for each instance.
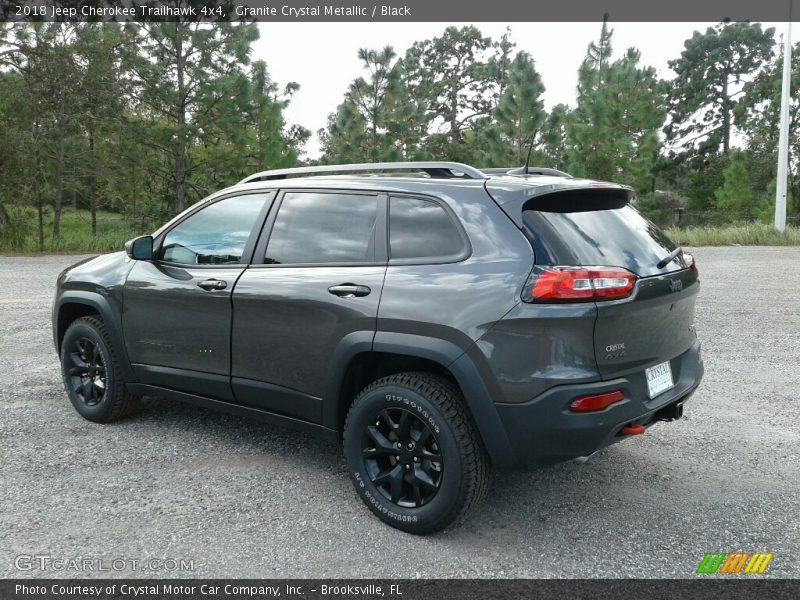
(177, 308)
(652, 325)
(316, 278)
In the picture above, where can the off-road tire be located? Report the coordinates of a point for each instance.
(116, 402)
(465, 472)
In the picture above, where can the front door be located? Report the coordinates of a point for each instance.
(177, 308)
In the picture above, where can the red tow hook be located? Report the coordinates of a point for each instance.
(633, 429)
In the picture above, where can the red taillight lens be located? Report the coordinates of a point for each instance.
(577, 284)
(692, 264)
(595, 402)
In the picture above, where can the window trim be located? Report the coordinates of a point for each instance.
(378, 240)
(247, 251)
(466, 246)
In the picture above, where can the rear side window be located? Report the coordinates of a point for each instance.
(422, 229)
(619, 237)
(316, 227)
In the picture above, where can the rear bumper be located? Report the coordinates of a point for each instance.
(544, 431)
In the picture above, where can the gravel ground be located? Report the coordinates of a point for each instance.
(251, 500)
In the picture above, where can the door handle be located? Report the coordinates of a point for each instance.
(212, 284)
(349, 290)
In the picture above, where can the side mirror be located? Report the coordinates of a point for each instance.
(140, 248)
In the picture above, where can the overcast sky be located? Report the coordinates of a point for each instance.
(322, 58)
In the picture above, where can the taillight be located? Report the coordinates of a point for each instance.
(596, 402)
(692, 264)
(578, 284)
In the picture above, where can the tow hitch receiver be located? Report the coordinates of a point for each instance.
(671, 412)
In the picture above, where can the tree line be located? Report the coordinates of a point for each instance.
(701, 144)
(138, 119)
(146, 119)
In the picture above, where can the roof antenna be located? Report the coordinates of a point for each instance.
(530, 149)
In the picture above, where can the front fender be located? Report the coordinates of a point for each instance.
(111, 319)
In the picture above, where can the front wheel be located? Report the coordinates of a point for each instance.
(92, 374)
(414, 453)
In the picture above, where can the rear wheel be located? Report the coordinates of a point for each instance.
(92, 375)
(414, 453)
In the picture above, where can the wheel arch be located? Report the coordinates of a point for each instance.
(361, 359)
(75, 304)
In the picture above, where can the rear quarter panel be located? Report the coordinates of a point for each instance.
(538, 346)
(460, 301)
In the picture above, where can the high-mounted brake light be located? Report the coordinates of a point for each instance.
(578, 284)
(596, 402)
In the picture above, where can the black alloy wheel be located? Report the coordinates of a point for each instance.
(402, 458)
(414, 454)
(86, 372)
(92, 373)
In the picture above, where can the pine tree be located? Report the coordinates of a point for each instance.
(189, 74)
(272, 145)
(406, 121)
(372, 98)
(758, 116)
(346, 139)
(614, 129)
(555, 141)
(43, 54)
(597, 56)
(735, 198)
(99, 48)
(520, 113)
(451, 73)
(704, 95)
(379, 119)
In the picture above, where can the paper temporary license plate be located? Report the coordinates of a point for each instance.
(659, 379)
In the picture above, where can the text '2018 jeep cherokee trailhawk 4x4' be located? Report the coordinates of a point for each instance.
(445, 321)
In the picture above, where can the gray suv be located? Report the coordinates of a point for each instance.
(443, 321)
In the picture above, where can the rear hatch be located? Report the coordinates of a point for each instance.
(649, 322)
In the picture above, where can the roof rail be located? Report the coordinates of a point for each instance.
(447, 170)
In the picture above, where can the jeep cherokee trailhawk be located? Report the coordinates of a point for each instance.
(443, 321)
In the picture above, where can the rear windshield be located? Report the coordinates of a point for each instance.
(618, 237)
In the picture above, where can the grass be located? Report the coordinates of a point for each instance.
(76, 233)
(749, 234)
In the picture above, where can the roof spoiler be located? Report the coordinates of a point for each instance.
(581, 199)
(573, 195)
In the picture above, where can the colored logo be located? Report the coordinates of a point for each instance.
(734, 562)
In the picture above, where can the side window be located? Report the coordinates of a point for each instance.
(421, 229)
(314, 227)
(214, 235)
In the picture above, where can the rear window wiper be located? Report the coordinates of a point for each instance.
(669, 258)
